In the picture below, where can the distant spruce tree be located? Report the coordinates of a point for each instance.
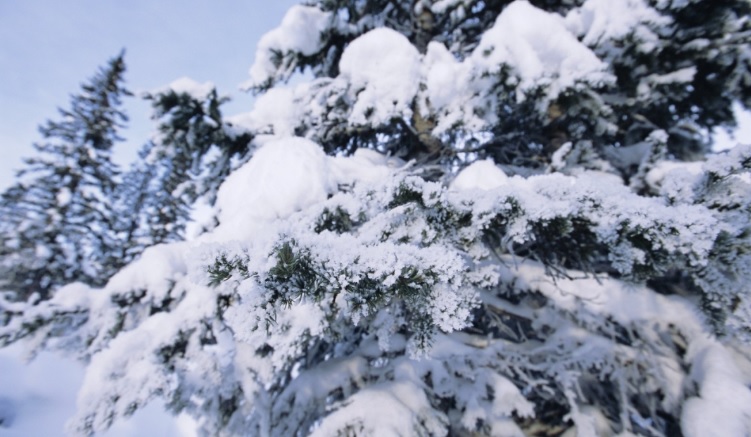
(57, 218)
(136, 203)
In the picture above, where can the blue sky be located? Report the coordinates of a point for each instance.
(49, 47)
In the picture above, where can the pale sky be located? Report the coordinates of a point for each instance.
(49, 47)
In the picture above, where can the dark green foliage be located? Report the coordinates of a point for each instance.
(404, 195)
(338, 221)
(225, 268)
(297, 275)
(189, 127)
(567, 242)
(294, 276)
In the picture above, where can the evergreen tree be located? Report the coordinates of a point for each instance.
(136, 199)
(192, 152)
(193, 137)
(58, 217)
(586, 280)
(666, 65)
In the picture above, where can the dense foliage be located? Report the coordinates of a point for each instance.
(475, 218)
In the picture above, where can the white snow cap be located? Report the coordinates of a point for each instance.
(534, 44)
(300, 31)
(480, 175)
(598, 20)
(386, 66)
(284, 176)
(540, 48)
(365, 165)
(275, 112)
(186, 85)
(451, 89)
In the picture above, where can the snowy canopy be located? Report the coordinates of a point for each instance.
(283, 214)
(384, 75)
(462, 217)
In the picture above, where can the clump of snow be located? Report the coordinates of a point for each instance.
(540, 49)
(276, 112)
(385, 67)
(599, 20)
(725, 139)
(364, 165)
(64, 196)
(482, 175)
(450, 90)
(402, 402)
(558, 160)
(186, 85)
(155, 270)
(201, 219)
(723, 406)
(646, 85)
(284, 176)
(300, 32)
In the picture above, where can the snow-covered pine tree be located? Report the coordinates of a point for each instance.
(193, 137)
(138, 200)
(495, 88)
(585, 281)
(57, 219)
(192, 152)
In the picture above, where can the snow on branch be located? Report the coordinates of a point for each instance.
(499, 298)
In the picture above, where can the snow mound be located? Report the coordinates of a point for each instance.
(186, 85)
(450, 89)
(386, 67)
(275, 112)
(541, 50)
(598, 20)
(481, 175)
(299, 32)
(284, 176)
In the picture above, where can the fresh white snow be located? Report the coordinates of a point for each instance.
(383, 68)
(37, 398)
(300, 31)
